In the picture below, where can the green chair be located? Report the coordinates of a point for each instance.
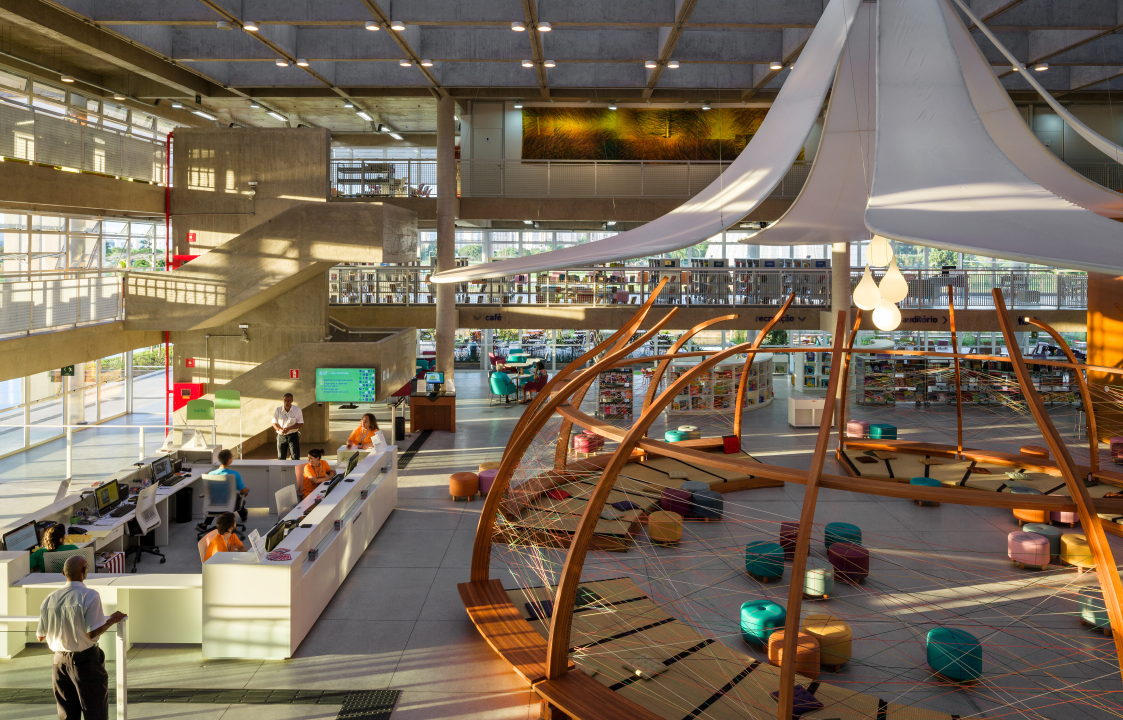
(502, 386)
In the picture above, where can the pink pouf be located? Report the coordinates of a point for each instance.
(676, 501)
(487, 479)
(1026, 548)
(587, 443)
(1067, 518)
(857, 428)
(1116, 444)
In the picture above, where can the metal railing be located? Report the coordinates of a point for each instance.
(50, 139)
(1108, 174)
(693, 286)
(366, 178)
(32, 302)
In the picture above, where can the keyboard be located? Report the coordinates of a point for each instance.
(122, 510)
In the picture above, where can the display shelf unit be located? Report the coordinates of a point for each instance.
(810, 371)
(614, 394)
(716, 389)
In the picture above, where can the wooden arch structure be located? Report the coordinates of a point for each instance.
(567, 691)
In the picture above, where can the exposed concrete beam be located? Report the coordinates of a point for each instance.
(668, 39)
(33, 354)
(384, 20)
(1085, 76)
(36, 188)
(530, 12)
(987, 9)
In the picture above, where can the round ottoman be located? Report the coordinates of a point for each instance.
(834, 636)
(490, 466)
(818, 579)
(759, 619)
(664, 528)
(487, 479)
(806, 653)
(1116, 445)
(851, 562)
(690, 432)
(1052, 534)
(708, 505)
(1076, 551)
(764, 561)
(674, 436)
(676, 501)
(837, 532)
(926, 482)
(693, 486)
(1093, 612)
(1033, 516)
(1062, 517)
(463, 485)
(955, 654)
(788, 536)
(1035, 451)
(1026, 548)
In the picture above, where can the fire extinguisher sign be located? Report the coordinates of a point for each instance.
(294, 374)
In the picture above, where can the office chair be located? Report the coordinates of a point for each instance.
(145, 521)
(204, 542)
(299, 470)
(53, 561)
(286, 500)
(219, 496)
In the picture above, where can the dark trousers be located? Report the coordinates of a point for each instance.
(287, 442)
(81, 685)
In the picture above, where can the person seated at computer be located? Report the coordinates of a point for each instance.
(316, 471)
(224, 540)
(225, 460)
(362, 437)
(52, 542)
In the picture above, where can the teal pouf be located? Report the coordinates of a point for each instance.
(926, 482)
(693, 486)
(841, 532)
(883, 431)
(1053, 534)
(764, 561)
(818, 579)
(1093, 611)
(759, 619)
(955, 654)
(708, 505)
(674, 436)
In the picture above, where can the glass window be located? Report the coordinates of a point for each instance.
(50, 92)
(13, 81)
(48, 222)
(45, 385)
(13, 222)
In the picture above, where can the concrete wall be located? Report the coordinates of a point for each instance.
(33, 354)
(33, 188)
(212, 169)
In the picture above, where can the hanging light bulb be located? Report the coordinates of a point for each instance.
(866, 295)
(886, 316)
(880, 252)
(893, 287)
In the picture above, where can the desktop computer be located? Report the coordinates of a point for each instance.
(25, 537)
(434, 382)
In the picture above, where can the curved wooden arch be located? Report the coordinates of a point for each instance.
(661, 368)
(846, 357)
(749, 357)
(1085, 395)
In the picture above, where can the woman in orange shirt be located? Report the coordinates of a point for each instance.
(316, 471)
(362, 437)
(224, 539)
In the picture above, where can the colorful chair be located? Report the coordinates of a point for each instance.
(836, 532)
(1031, 516)
(1093, 611)
(708, 504)
(463, 485)
(788, 535)
(1052, 534)
(818, 579)
(1063, 517)
(857, 428)
(834, 636)
(502, 386)
(674, 436)
(693, 486)
(851, 562)
(883, 431)
(764, 561)
(955, 654)
(1076, 551)
(926, 482)
(487, 479)
(664, 528)
(806, 653)
(676, 501)
(1026, 548)
(759, 619)
(1116, 445)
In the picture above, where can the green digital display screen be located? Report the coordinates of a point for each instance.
(345, 384)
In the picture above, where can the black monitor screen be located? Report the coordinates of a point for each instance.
(25, 537)
(106, 495)
(161, 469)
(275, 536)
(352, 463)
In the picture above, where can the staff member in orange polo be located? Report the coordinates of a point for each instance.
(316, 471)
(362, 437)
(224, 539)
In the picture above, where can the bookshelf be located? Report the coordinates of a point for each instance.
(810, 371)
(614, 394)
(716, 390)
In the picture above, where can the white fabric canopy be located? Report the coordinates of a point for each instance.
(1098, 141)
(738, 191)
(939, 178)
(1012, 135)
(832, 204)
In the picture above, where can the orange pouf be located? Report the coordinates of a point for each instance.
(806, 653)
(463, 484)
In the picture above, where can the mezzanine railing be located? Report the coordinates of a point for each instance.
(32, 302)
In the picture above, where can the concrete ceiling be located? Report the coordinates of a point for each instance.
(173, 49)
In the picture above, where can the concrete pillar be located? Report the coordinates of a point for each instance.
(446, 234)
(1105, 345)
(840, 285)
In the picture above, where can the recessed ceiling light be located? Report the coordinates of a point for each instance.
(250, 26)
(118, 96)
(67, 79)
(672, 64)
(518, 26)
(397, 25)
(528, 63)
(549, 63)
(396, 136)
(302, 62)
(405, 62)
(705, 106)
(775, 65)
(1016, 68)
(528, 222)
(650, 64)
(372, 26)
(518, 104)
(202, 114)
(426, 63)
(223, 24)
(1041, 67)
(348, 104)
(281, 62)
(255, 104)
(611, 223)
(612, 105)
(277, 116)
(545, 27)
(363, 115)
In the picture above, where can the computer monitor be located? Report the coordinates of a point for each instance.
(351, 464)
(161, 469)
(434, 377)
(275, 535)
(25, 537)
(107, 496)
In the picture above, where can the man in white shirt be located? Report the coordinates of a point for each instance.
(287, 421)
(70, 621)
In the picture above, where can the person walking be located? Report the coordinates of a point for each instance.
(287, 421)
(70, 621)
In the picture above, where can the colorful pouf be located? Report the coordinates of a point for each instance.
(806, 653)
(708, 505)
(693, 486)
(1093, 611)
(674, 436)
(1063, 517)
(764, 561)
(690, 432)
(1116, 444)
(463, 484)
(857, 428)
(818, 579)
(955, 654)
(1026, 548)
(834, 636)
(587, 443)
(664, 528)
(883, 431)
(487, 479)
(676, 501)
(851, 562)
(836, 532)
(1032, 516)
(926, 482)
(788, 536)
(490, 466)
(1052, 534)
(1076, 551)
(759, 619)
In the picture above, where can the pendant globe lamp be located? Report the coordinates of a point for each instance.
(866, 294)
(893, 287)
(879, 253)
(887, 316)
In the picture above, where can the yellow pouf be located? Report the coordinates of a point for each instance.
(489, 466)
(834, 636)
(1076, 551)
(664, 528)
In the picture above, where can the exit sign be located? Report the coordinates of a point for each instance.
(294, 374)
